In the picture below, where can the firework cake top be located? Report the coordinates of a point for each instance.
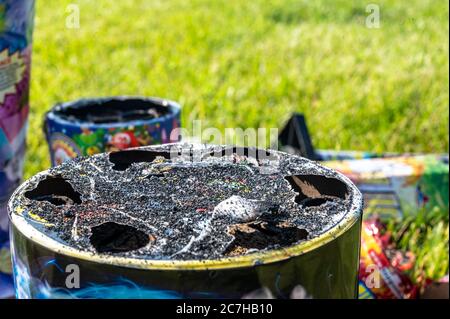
(184, 202)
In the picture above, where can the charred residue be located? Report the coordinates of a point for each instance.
(55, 190)
(124, 159)
(111, 237)
(315, 190)
(157, 203)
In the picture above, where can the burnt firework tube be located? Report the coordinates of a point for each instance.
(187, 221)
(16, 28)
(90, 126)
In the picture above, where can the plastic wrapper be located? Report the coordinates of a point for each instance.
(382, 272)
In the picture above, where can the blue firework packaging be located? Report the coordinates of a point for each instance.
(90, 126)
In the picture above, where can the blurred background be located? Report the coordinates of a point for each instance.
(252, 63)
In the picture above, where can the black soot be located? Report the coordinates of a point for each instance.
(185, 201)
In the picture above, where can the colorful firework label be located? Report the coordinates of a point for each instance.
(81, 128)
(16, 27)
(15, 60)
(396, 186)
(63, 148)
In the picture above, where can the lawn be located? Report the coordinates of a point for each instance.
(251, 63)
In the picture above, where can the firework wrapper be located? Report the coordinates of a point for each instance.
(382, 271)
(395, 186)
(16, 27)
(90, 126)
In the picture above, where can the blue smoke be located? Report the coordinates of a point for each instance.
(122, 288)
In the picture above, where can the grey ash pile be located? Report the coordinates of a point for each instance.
(184, 201)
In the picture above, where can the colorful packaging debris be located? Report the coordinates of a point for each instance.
(90, 126)
(382, 269)
(16, 28)
(395, 186)
(331, 155)
(392, 186)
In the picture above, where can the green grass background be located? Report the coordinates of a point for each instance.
(251, 63)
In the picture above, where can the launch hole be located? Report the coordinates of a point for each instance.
(314, 202)
(111, 237)
(316, 187)
(123, 159)
(54, 199)
(261, 235)
(156, 175)
(255, 153)
(55, 190)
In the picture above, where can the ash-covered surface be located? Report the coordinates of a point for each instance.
(147, 204)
